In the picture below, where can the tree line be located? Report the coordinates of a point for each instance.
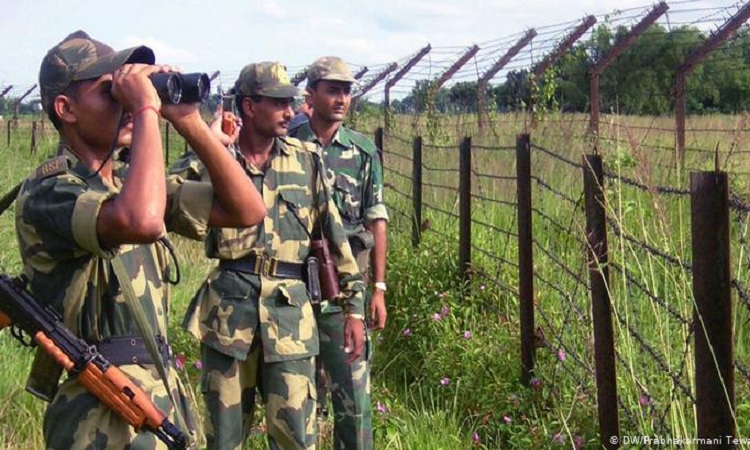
(640, 81)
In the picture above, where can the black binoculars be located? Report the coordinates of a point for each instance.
(175, 88)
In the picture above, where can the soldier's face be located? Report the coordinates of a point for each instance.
(96, 113)
(330, 100)
(270, 117)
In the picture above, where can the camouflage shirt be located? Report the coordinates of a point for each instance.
(56, 216)
(357, 173)
(228, 310)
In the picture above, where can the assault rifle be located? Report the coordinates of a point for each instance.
(26, 317)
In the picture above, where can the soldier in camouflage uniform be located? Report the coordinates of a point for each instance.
(354, 165)
(254, 314)
(78, 212)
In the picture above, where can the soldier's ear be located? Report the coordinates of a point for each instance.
(64, 107)
(247, 106)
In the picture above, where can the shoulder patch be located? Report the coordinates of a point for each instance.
(52, 167)
(363, 142)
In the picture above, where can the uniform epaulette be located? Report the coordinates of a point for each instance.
(291, 141)
(363, 142)
(52, 167)
(299, 144)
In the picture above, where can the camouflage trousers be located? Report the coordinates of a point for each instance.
(77, 420)
(229, 386)
(349, 384)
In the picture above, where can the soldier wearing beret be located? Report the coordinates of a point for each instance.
(81, 212)
(355, 168)
(254, 314)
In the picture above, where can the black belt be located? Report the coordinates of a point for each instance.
(270, 267)
(132, 350)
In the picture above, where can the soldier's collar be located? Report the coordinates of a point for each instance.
(343, 137)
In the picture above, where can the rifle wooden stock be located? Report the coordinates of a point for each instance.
(102, 379)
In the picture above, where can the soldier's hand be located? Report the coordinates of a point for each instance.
(354, 338)
(132, 88)
(378, 313)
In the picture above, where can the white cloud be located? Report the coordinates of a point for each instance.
(270, 8)
(165, 53)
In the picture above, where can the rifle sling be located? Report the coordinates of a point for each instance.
(131, 299)
(9, 198)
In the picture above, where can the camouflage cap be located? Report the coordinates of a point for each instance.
(78, 57)
(268, 79)
(329, 68)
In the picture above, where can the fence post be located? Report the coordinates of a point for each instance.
(464, 196)
(33, 137)
(714, 351)
(8, 129)
(379, 142)
(601, 308)
(525, 257)
(416, 191)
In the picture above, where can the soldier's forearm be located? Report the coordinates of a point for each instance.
(380, 250)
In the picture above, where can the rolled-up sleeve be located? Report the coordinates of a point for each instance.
(189, 207)
(84, 219)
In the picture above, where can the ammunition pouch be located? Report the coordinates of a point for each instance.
(364, 240)
(327, 273)
(44, 377)
(361, 244)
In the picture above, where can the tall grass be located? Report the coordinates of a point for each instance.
(651, 295)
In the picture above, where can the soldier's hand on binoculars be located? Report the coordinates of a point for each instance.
(132, 88)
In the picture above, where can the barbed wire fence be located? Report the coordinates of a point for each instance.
(650, 292)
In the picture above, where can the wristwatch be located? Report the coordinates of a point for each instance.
(380, 285)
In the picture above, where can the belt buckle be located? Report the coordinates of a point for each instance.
(268, 266)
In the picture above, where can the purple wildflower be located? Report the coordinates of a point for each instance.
(467, 334)
(436, 317)
(476, 438)
(558, 438)
(507, 419)
(445, 381)
(179, 362)
(536, 383)
(382, 409)
(445, 310)
(407, 332)
(198, 364)
(561, 355)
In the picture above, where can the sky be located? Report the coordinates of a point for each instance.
(225, 35)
